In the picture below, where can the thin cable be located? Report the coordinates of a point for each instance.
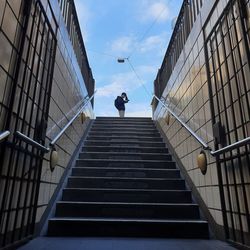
(139, 78)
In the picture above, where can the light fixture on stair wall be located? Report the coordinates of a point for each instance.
(167, 118)
(202, 162)
(83, 117)
(53, 159)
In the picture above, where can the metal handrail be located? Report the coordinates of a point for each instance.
(4, 135)
(30, 141)
(234, 145)
(204, 144)
(52, 143)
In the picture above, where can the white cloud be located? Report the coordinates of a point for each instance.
(84, 16)
(125, 82)
(123, 44)
(154, 43)
(154, 11)
(119, 83)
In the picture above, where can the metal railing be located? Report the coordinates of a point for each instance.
(205, 146)
(30, 141)
(4, 135)
(52, 143)
(45, 149)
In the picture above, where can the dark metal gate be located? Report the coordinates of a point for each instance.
(227, 56)
(20, 164)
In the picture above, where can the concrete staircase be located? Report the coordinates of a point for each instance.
(126, 184)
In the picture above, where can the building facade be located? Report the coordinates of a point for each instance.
(205, 80)
(45, 79)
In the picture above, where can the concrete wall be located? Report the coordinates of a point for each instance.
(187, 94)
(67, 97)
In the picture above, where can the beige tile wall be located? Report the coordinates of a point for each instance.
(187, 94)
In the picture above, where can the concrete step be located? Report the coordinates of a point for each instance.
(124, 119)
(124, 149)
(128, 125)
(125, 138)
(125, 156)
(131, 128)
(104, 126)
(127, 195)
(127, 210)
(126, 172)
(133, 143)
(125, 182)
(127, 163)
(124, 133)
(120, 227)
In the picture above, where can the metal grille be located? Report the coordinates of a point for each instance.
(227, 56)
(27, 112)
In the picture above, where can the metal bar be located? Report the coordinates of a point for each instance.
(235, 145)
(205, 146)
(4, 135)
(28, 140)
(70, 122)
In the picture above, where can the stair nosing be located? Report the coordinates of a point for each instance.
(125, 160)
(128, 153)
(100, 219)
(122, 146)
(126, 178)
(129, 189)
(126, 203)
(148, 137)
(98, 141)
(119, 168)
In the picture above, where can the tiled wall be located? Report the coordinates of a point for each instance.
(67, 96)
(187, 94)
(68, 92)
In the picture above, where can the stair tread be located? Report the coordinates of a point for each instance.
(125, 136)
(126, 178)
(128, 190)
(129, 169)
(122, 147)
(122, 141)
(123, 160)
(126, 153)
(94, 219)
(126, 203)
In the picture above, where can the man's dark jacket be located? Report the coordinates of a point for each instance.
(119, 103)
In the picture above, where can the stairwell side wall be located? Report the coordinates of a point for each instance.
(69, 88)
(187, 91)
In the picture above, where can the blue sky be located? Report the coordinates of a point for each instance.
(138, 29)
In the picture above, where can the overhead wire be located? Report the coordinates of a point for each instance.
(136, 47)
(149, 28)
(138, 77)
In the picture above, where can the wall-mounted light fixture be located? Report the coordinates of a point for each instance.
(202, 162)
